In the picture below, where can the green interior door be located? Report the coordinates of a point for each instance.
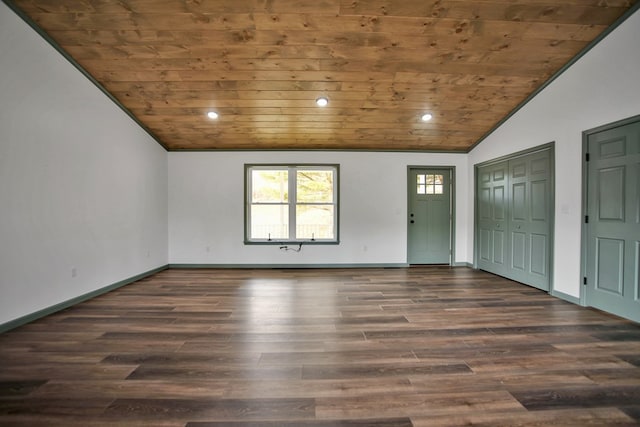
(429, 222)
(492, 217)
(530, 219)
(613, 228)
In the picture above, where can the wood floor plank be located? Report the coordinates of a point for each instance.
(319, 388)
(415, 404)
(216, 409)
(19, 388)
(382, 370)
(420, 346)
(600, 417)
(583, 397)
(53, 406)
(390, 422)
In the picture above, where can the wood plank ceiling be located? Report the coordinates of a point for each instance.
(261, 64)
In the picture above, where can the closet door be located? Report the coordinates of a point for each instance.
(492, 217)
(529, 219)
(514, 218)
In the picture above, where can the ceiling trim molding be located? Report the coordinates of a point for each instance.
(304, 150)
(11, 5)
(633, 9)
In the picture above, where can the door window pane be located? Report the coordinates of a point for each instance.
(422, 184)
(430, 184)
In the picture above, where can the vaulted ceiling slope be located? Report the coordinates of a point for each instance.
(261, 65)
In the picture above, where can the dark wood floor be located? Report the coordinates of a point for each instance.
(359, 347)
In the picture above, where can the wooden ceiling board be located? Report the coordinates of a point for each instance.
(261, 64)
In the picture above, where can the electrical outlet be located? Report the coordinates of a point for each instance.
(74, 272)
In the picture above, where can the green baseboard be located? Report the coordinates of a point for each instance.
(284, 266)
(566, 297)
(462, 264)
(73, 301)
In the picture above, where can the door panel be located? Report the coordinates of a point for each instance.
(485, 245)
(491, 221)
(499, 202)
(519, 202)
(429, 228)
(485, 204)
(539, 255)
(540, 165)
(613, 148)
(518, 251)
(539, 200)
(613, 231)
(611, 194)
(610, 259)
(498, 247)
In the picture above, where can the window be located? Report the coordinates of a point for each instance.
(430, 184)
(291, 203)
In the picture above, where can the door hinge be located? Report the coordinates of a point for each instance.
(586, 219)
(586, 157)
(584, 280)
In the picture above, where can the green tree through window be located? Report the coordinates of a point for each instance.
(291, 203)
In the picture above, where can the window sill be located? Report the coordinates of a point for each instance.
(292, 242)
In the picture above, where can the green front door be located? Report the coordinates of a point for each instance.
(613, 227)
(429, 216)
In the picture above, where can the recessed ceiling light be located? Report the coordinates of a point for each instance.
(212, 115)
(426, 117)
(322, 101)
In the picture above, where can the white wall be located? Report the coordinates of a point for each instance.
(84, 189)
(81, 185)
(206, 207)
(602, 87)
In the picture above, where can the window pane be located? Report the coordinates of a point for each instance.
(420, 179)
(269, 221)
(269, 186)
(438, 189)
(314, 222)
(314, 186)
(430, 179)
(421, 189)
(438, 179)
(429, 189)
